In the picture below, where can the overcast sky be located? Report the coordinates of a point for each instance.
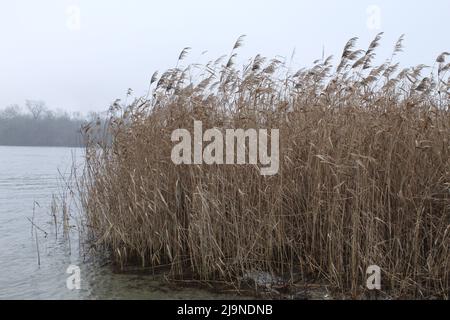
(82, 55)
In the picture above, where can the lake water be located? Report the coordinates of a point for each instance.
(28, 179)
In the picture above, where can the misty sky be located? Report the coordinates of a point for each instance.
(47, 53)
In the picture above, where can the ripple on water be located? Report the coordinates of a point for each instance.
(31, 174)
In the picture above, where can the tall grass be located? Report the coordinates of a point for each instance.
(364, 175)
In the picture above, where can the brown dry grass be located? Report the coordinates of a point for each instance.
(364, 175)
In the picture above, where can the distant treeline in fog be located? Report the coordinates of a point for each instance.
(36, 125)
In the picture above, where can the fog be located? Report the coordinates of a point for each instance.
(82, 55)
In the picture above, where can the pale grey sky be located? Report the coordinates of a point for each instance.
(83, 64)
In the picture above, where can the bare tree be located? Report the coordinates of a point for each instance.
(36, 107)
(10, 112)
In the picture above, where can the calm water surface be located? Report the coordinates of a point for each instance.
(32, 175)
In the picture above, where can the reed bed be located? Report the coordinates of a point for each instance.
(364, 175)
